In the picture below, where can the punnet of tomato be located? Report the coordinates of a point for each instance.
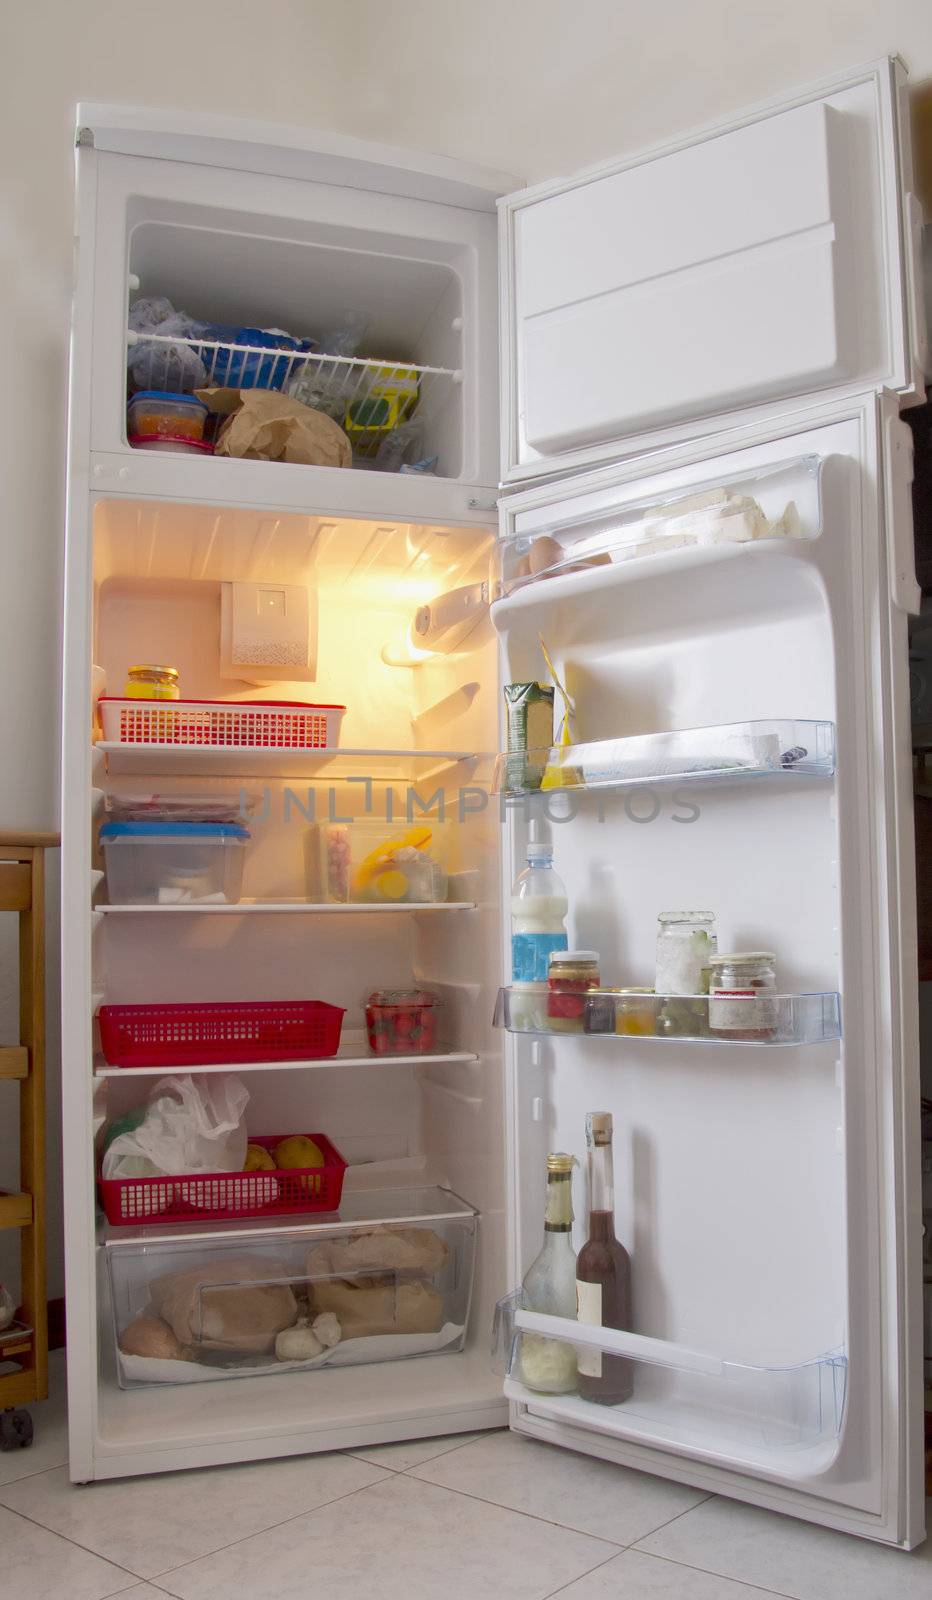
(402, 1022)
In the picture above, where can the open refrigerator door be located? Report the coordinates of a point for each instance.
(731, 627)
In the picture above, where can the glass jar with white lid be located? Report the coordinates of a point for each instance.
(742, 991)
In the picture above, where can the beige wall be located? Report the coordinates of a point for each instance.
(538, 87)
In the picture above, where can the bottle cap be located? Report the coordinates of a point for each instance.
(559, 957)
(599, 1127)
(560, 1161)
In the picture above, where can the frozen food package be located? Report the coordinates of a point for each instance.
(263, 425)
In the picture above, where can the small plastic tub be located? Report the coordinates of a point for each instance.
(182, 447)
(155, 414)
(173, 863)
(402, 1022)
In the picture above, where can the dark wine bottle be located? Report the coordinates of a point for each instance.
(603, 1274)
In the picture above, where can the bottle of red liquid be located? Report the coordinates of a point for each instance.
(603, 1274)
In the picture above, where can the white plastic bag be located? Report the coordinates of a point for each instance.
(191, 1125)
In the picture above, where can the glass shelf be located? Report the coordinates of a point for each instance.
(776, 1019)
(729, 753)
(676, 1390)
(333, 764)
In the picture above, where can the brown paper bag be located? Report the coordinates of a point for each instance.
(263, 425)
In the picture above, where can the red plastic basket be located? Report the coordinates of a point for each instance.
(226, 1195)
(222, 724)
(208, 1035)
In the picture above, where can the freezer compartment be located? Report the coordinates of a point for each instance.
(676, 1392)
(783, 749)
(212, 1305)
(758, 1019)
(374, 339)
(377, 861)
(782, 501)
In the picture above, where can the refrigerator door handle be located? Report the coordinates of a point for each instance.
(905, 592)
(659, 1352)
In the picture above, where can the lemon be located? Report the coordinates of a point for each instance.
(298, 1151)
(258, 1159)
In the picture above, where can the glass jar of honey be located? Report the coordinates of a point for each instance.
(148, 682)
(636, 1013)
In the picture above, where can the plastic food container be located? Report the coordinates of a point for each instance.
(197, 1310)
(183, 447)
(266, 1192)
(173, 863)
(216, 1034)
(402, 1022)
(154, 414)
(377, 861)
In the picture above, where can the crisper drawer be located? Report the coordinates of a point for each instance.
(342, 1293)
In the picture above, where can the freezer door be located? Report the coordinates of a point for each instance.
(769, 1195)
(748, 263)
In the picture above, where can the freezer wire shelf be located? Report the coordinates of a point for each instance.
(369, 396)
(638, 1018)
(732, 752)
(676, 1389)
(221, 724)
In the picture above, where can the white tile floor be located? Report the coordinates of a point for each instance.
(473, 1517)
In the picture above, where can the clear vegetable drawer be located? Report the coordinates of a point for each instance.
(388, 1277)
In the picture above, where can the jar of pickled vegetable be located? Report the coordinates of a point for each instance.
(147, 682)
(571, 975)
(742, 987)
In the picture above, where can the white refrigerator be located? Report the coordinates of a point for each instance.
(738, 312)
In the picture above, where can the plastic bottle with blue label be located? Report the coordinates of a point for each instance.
(538, 914)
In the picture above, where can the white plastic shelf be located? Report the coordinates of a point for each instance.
(390, 766)
(783, 750)
(681, 1394)
(773, 1019)
(264, 908)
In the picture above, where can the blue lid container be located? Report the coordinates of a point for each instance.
(173, 830)
(235, 369)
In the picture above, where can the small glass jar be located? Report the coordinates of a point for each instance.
(600, 1011)
(147, 682)
(741, 990)
(636, 1013)
(570, 976)
(402, 1022)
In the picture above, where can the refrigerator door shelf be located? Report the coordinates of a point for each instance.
(786, 1416)
(639, 1016)
(778, 502)
(730, 754)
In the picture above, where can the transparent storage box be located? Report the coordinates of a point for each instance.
(377, 861)
(173, 863)
(391, 1275)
